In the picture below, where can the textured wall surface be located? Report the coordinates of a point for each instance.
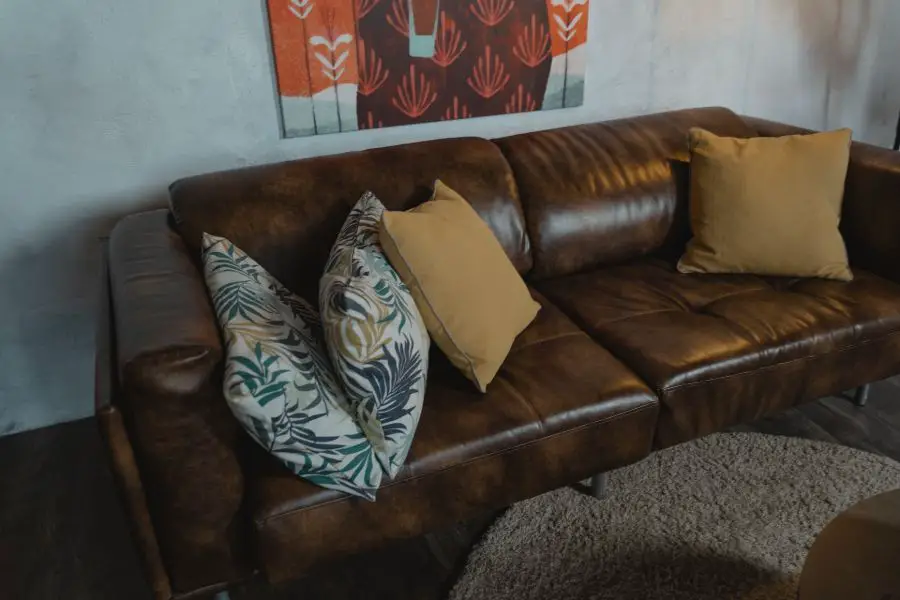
(103, 103)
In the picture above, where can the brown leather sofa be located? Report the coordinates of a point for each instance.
(625, 357)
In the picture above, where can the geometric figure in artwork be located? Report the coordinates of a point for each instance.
(344, 65)
(449, 43)
(414, 94)
(491, 12)
(489, 75)
(423, 24)
(568, 21)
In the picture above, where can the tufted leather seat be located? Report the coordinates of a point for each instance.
(727, 349)
(560, 406)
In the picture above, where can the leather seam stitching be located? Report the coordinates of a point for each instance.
(524, 400)
(560, 336)
(679, 386)
(765, 288)
(654, 405)
(689, 310)
(635, 316)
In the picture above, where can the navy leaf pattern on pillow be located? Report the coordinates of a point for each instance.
(278, 379)
(375, 335)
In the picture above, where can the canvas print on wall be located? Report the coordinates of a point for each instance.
(344, 65)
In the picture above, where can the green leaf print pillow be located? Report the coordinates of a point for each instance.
(278, 379)
(375, 336)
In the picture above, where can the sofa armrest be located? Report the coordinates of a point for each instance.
(169, 363)
(871, 216)
(121, 453)
(871, 211)
(161, 306)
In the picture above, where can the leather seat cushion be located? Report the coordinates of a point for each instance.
(561, 409)
(726, 349)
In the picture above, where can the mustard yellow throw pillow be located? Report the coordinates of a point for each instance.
(470, 296)
(769, 206)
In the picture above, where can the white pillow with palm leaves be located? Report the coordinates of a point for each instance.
(278, 379)
(375, 335)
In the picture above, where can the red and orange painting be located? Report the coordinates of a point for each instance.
(345, 65)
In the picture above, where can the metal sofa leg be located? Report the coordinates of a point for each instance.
(599, 485)
(861, 396)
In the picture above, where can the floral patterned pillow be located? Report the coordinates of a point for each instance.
(278, 379)
(375, 336)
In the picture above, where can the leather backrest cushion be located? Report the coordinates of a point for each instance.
(607, 192)
(287, 216)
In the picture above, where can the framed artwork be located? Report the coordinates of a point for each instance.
(345, 65)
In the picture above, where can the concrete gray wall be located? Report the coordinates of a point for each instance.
(103, 103)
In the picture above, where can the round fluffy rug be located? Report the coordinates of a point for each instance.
(730, 516)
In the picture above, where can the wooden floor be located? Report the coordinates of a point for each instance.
(63, 534)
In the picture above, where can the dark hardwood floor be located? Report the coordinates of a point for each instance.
(63, 534)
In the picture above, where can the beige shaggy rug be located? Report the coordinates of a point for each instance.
(730, 516)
